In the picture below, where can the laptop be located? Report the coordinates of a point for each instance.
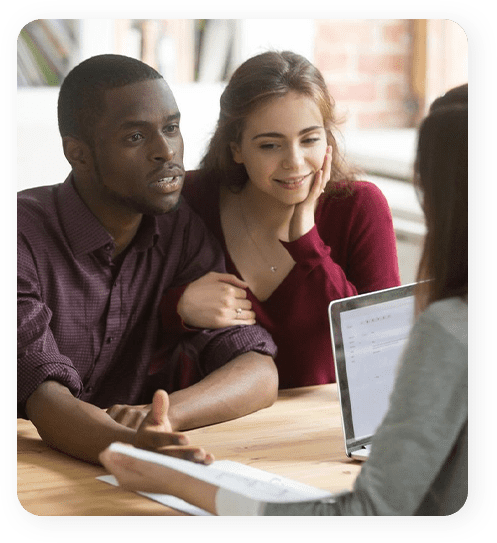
(368, 335)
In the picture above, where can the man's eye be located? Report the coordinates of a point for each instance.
(135, 137)
(172, 128)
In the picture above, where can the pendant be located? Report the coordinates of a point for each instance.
(273, 268)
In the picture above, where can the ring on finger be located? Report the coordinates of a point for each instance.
(238, 312)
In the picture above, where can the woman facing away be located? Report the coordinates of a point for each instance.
(296, 230)
(419, 456)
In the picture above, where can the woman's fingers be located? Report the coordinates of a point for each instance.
(215, 301)
(323, 175)
(242, 316)
(230, 279)
(326, 169)
(242, 303)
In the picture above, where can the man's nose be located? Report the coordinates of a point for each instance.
(162, 149)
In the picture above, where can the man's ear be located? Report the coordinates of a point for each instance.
(77, 152)
(236, 152)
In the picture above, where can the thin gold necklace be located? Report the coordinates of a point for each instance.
(272, 267)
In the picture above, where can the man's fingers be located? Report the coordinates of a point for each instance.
(160, 408)
(193, 454)
(135, 419)
(129, 416)
(172, 444)
(153, 438)
(114, 412)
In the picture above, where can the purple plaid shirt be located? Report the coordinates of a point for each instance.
(93, 324)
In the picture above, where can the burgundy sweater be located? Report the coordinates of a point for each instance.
(350, 250)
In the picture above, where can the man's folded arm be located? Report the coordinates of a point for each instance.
(238, 373)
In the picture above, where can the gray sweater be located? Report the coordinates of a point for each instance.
(419, 458)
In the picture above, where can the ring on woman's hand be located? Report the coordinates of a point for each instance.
(238, 312)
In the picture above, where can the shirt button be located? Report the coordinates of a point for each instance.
(89, 389)
(110, 340)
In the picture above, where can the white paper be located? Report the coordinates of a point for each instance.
(165, 499)
(254, 483)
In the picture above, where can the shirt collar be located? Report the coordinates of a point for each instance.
(85, 232)
(147, 234)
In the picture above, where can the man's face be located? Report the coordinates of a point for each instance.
(138, 150)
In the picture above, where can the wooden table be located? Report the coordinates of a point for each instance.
(299, 437)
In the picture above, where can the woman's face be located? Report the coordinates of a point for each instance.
(283, 145)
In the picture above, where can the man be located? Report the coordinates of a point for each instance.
(95, 255)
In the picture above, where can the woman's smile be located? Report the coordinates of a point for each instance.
(294, 183)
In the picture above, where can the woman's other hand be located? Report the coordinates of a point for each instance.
(216, 300)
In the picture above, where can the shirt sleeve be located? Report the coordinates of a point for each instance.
(222, 345)
(38, 357)
(428, 411)
(185, 359)
(368, 237)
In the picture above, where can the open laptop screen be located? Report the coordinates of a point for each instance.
(370, 332)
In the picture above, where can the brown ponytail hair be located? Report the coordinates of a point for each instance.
(441, 175)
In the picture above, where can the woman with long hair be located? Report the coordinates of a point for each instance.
(296, 228)
(419, 456)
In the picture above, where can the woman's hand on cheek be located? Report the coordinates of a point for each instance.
(303, 216)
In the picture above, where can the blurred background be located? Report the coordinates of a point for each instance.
(383, 74)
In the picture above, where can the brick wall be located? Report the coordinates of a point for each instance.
(366, 64)
(447, 63)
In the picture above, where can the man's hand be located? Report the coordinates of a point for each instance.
(216, 300)
(156, 434)
(130, 416)
(84, 430)
(302, 220)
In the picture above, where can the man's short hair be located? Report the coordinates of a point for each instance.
(81, 96)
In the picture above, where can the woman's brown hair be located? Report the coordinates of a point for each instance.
(441, 175)
(258, 80)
